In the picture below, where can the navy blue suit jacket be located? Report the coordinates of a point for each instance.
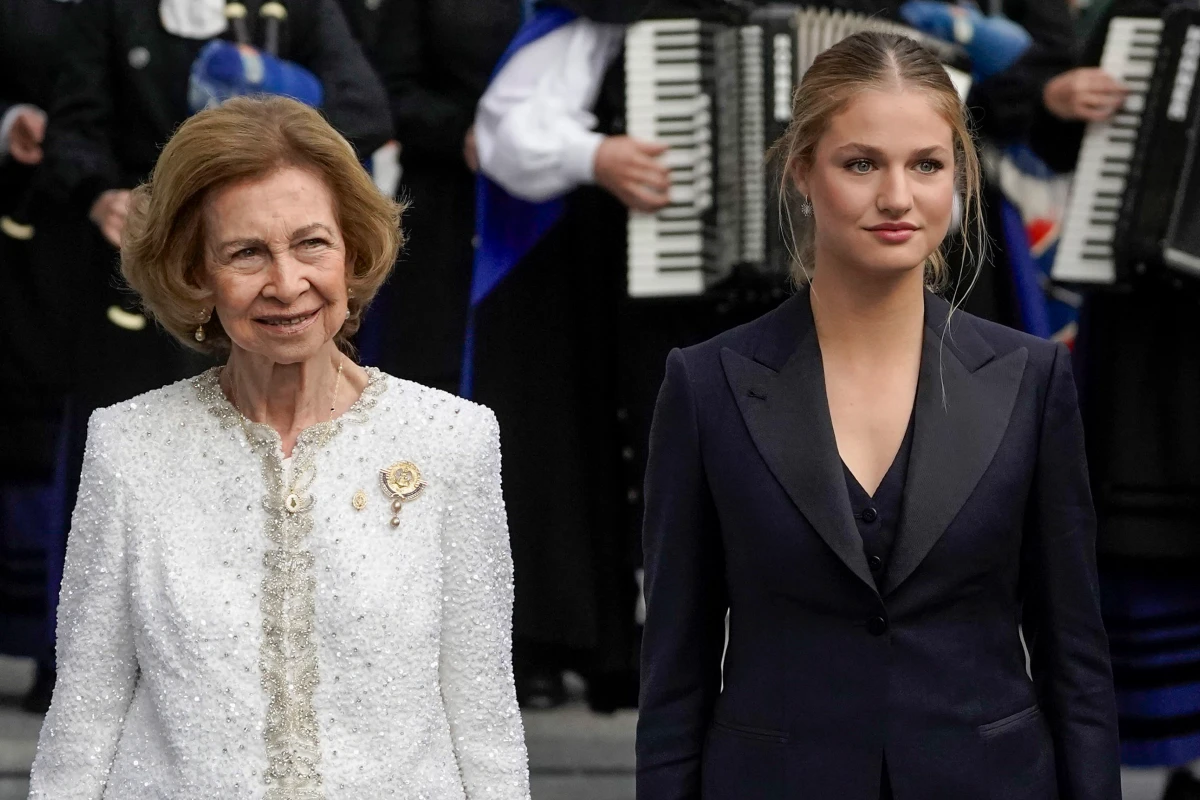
(825, 674)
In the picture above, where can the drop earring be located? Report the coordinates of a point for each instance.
(205, 316)
(806, 207)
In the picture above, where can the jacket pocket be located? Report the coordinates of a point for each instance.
(747, 732)
(1013, 720)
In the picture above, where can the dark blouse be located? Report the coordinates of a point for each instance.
(878, 518)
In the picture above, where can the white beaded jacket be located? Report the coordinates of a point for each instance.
(224, 633)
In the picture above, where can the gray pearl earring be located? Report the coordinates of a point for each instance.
(199, 335)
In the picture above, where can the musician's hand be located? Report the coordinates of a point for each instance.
(26, 135)
(629, 168)
(109, 213)
(1087, 93)
(471, 151)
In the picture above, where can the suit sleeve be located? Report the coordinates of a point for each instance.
(80, 160)
(1062, 624)
(355, 102)
(97, 665)
(475, 666)
(686, 599)
(427, 120)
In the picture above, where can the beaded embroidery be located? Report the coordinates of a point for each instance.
(288, 659)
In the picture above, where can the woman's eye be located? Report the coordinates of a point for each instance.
(313, 242)
(860, 166)
(929, 167)
(247, 252)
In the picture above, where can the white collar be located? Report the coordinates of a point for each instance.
(193, 19)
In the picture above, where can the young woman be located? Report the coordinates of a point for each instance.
(876, 491)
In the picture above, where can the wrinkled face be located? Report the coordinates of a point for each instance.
(275, 263)
(881, 183)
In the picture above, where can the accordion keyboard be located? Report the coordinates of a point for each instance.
(1086, 247)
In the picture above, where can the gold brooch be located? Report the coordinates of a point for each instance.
(401, 482)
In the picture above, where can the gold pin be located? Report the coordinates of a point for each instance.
(402, 483)
(359, 501)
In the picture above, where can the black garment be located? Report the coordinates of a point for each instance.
(32, 327)
(435, 58)
(823, 674)
(877, 515)
(363, 16)
(546, 364)
(115, 105)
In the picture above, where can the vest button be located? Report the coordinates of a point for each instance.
(875, 563)
(870, 515)
(877, 626)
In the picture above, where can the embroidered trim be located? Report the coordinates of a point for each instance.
(288, 658)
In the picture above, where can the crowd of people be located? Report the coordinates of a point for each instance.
(516, 178)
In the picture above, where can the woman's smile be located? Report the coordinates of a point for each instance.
(287, 325)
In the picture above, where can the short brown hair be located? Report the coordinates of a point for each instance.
(874, 60)
(162, 247)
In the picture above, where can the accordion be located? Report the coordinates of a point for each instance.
(1135, 203)
(718, 96)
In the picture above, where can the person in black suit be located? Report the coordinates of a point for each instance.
(855, 503)
(1138, 361)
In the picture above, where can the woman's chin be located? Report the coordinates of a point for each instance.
(288, 349)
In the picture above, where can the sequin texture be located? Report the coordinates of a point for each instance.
(217, 640)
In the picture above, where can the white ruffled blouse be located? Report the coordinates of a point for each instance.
(224, 634)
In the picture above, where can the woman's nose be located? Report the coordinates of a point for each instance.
(895, 195)
(287, 280)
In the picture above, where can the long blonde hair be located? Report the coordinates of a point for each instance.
(863, 61)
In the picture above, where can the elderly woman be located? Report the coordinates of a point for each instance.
(289, 577)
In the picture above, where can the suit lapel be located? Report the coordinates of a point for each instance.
(965, 396)
(787, 413)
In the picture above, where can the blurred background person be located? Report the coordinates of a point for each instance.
(549, 275)
(33, 338)
(435, 58)
(1138, 359)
